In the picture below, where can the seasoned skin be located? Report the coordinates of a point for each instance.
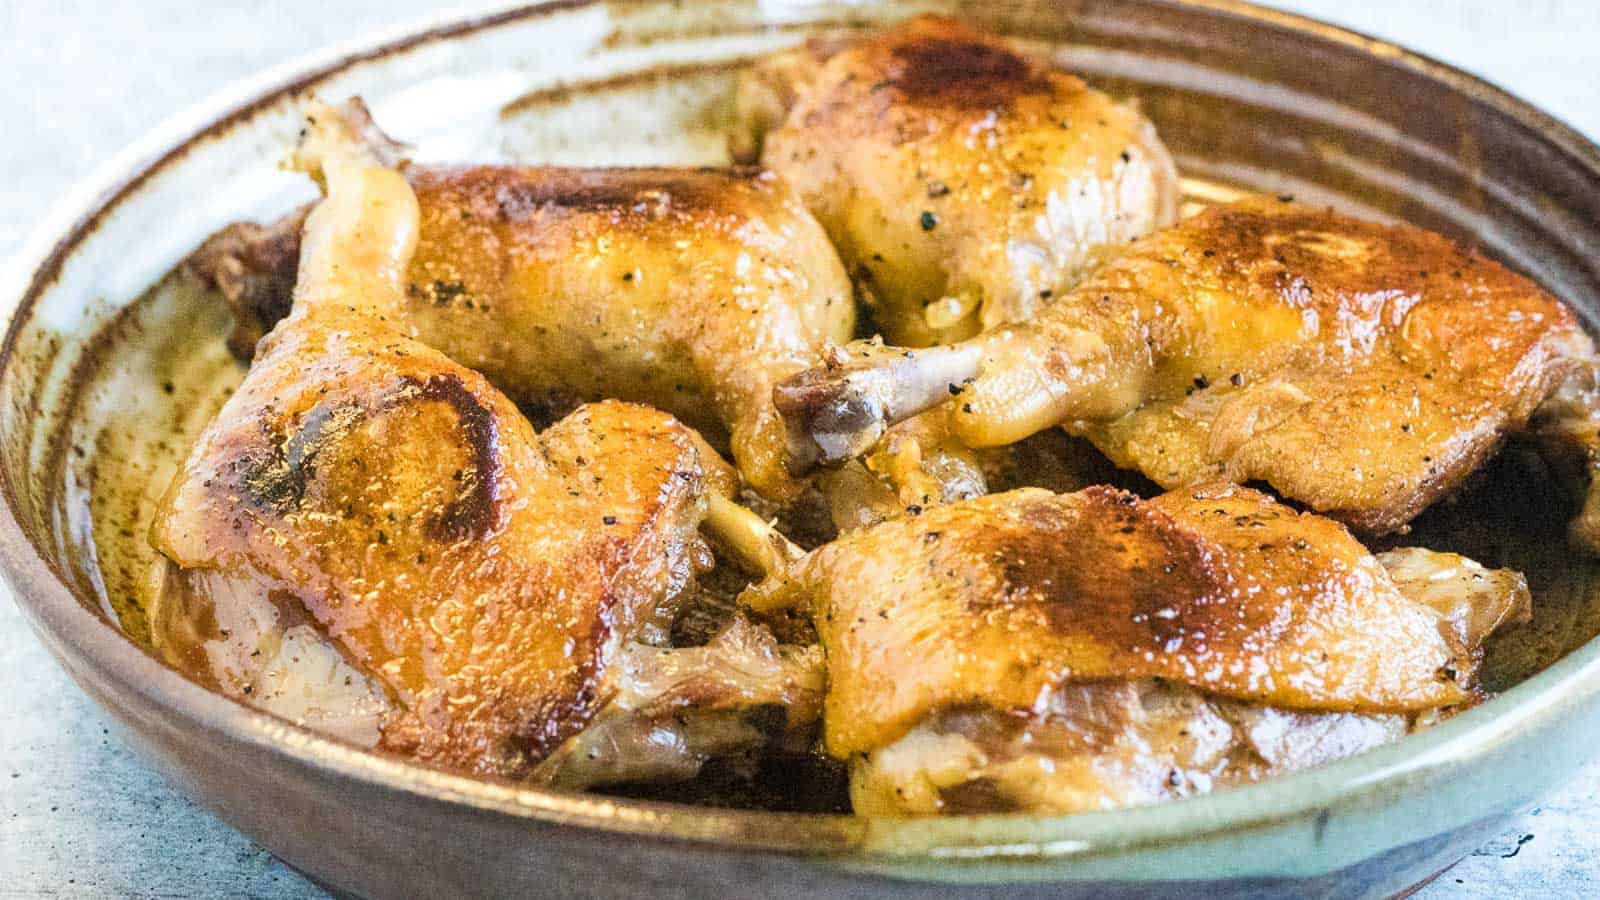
(488, 577)
(963, 182)
(1238, 344)
(1043, 652)
(999, 600)
(1426, 355)
(694, 291)
(489, 605)
(1116, 743)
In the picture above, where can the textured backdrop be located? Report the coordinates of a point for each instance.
(80, 816)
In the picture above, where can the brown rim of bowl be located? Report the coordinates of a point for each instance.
(94, 642)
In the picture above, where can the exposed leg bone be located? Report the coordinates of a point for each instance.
(344, 137)
(360, 238)
(758, 545)
(841, 410)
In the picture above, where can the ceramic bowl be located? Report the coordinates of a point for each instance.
(1246, 98)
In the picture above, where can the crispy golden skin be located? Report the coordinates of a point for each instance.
(999, 601)
(694, 291)
(1127, 742)
(1364, 370)
(487, 576)
(963, 182)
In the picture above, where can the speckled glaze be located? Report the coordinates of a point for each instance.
(1244, 97)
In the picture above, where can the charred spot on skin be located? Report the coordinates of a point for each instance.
(265, 476)
(323, 427)
(1155, 593)
(471, 514)
(960, 73)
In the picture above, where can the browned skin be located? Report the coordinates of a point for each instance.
(1110, 743)
(963, 182)
(486, 575)
(693, 291)
(998, 601)
(1361, 369)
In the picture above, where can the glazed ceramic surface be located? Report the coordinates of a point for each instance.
(106, 368)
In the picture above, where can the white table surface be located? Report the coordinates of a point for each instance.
(80, 816)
